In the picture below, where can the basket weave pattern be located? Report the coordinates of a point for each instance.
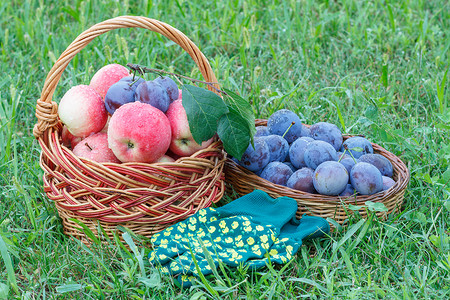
(244, 181)
(145, 198)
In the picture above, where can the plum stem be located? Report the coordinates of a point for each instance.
(292, 124)
(87, 145)
(142, 70)
(350, 152)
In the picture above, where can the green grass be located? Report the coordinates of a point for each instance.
(382, 64)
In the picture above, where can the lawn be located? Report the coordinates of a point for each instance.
(377, 68)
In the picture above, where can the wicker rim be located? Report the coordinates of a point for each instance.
(244, 181)
(47, 110)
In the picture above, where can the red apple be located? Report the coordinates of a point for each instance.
(107, 76)
(82, 110)
(182, 142)
(68, 139)
(139, 132)
(95, 147)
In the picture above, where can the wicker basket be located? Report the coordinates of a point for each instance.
(243, 181)
(145, 198)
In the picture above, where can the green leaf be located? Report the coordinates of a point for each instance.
(152, 282)
(233, 130)
(376, 206)
(242, 106)
(371, 112)
(354, 207)
(203, 109)
(4, 291)
(447, 205)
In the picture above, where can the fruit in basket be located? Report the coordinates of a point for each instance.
(261, 131)
(366, 178)
(317, 152)
(348, 162)
(118, 94)
(276, 172)
(182, 142)
(68, 139)
(106, 76)
(257, 157)
(388, 182)
(382, 163)
(139, 132)
(82, 110)
(170, 86)
(327, 132)
(357, 145)
(348, 191)
(297, 152)
(279, 122)
(152, 93)
(302, 180)
(278, 147)
(95, 147)
(330, 178)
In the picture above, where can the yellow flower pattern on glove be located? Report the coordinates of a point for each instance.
(234, 225)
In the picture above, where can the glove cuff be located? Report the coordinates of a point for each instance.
(262, 208)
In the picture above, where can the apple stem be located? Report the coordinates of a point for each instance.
(87, 145)
(292, 124)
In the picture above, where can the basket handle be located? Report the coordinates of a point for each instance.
(47, 110)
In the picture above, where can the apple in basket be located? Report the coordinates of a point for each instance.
(139, 132)
(95, 147)
(182, 142)
(68, 139)
(106, 76)
(82, 110)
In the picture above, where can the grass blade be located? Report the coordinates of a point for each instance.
(9, 265)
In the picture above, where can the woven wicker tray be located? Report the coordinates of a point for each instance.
(145, 198)
(243, 181)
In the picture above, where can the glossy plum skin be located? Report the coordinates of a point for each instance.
(388, 182)
(360, 142)
(290, 165)
(366, 178)
(152, 93)
(261, 131)
(330, 178)
(297, 152)
(278, 147)
(280, 121)
(118, 94)
(302, 180)
(348, 191)
(317, 152)
(306, 132)
(169, 85)
(255, 159)
(277, 173)
(348, 162)
(327, 132)
(382, 163)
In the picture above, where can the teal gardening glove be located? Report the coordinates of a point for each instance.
(251, 230)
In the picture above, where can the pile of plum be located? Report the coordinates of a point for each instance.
(315, 159)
